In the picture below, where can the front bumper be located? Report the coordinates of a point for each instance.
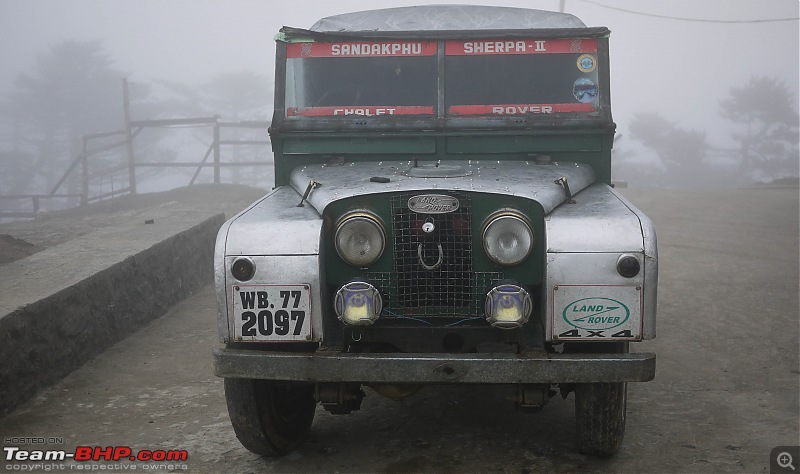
(494, 368)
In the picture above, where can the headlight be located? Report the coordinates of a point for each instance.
(507, 239)
(360, 239)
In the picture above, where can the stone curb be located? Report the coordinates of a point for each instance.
(64, 305)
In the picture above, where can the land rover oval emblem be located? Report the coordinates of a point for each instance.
(596, 313)
(433, 204)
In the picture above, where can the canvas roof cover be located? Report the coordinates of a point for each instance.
(447, 18)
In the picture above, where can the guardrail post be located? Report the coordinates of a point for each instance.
(85, 172)
(129, 138)
(216, 153)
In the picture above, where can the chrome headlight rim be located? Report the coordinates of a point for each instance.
(498, 217)
(360, 216)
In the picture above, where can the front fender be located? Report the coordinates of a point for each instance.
(585, 239)
(283, 239)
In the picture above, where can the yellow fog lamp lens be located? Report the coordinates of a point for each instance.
(358, 303)
(508, 306)
(360, 239)
(507, 239)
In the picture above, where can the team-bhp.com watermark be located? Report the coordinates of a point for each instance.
(25, 458)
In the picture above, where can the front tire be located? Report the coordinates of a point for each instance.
(600, 417)
(270, 418)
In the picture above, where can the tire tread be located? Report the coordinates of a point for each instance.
(600, 417)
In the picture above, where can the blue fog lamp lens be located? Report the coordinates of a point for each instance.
(358, 303)
(508, 306)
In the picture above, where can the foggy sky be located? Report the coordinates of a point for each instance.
(676, 68)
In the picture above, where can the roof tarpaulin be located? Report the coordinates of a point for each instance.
(447, 18)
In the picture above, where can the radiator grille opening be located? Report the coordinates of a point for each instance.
(453, 288)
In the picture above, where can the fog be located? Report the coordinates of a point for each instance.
(661, 63)
(728, 296)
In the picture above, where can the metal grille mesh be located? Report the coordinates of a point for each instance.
(452, 289)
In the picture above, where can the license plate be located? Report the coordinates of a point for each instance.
(272, 312)
(596, 313)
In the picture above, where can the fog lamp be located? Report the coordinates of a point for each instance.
(508, 306)
(358, 303)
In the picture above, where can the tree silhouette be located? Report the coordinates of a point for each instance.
(71, 91)
(682, 152)
(768, 136)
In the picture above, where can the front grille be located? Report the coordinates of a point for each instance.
(452, 289)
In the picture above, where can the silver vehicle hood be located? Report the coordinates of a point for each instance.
(528, 179)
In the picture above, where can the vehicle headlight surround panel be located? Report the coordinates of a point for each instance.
(508, 238)
(360, 239)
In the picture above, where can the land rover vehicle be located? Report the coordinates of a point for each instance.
(443, 214)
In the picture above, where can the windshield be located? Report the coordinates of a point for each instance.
(480, 77)
(521, 76)
(388, 78)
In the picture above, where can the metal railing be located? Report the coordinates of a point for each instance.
(132, 129)
(80, 164)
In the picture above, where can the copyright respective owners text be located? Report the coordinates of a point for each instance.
(784, 459)
(54, 454)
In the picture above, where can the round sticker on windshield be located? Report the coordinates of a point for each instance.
(587, 63)
(585, 90)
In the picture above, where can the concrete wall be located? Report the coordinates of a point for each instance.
(64, 305)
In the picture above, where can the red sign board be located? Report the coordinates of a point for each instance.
(519, 46)
(364, 111)
(361, 49)
(518, 109)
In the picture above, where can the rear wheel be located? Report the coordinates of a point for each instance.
(270, 417)
(600, 417)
